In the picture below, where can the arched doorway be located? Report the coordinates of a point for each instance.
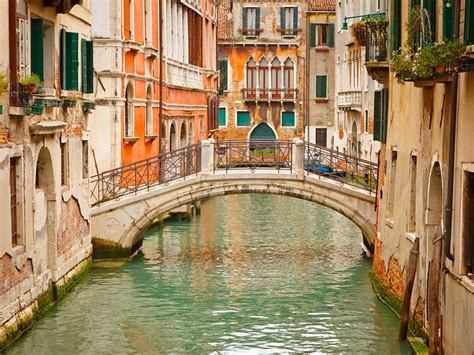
(434, 242)
(183, 136)
(45, 211)
(354, 138)
(173, 138)
(263, 132)
(163, 138)
(191, 133)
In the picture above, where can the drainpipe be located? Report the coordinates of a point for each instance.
(452, 143)
(307, 68)
(12, 53)
(160, 133)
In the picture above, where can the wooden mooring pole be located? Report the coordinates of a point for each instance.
(410, 278)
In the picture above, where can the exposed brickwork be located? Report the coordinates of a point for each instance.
(73, 228)
(11, 276)
(4, 135)
(393, 277)
(224, 10)
(322, 5)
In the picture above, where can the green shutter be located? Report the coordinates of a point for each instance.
(84, 65)
(384, 115)
(469, 22)
(37, 51)
(244, 18)
(223, 76)
(257, 18)
(321, 86)
(448, 21)
(430, 6)
(295, 18)
(396, 25)
(331, 35)
(288, 119)
(72, 61)
(377, 115)
(90, 66)
(63, 65)
(313, 35)
(282, 18)
(222, 117)
(243, 118)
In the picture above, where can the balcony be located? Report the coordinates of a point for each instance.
(184, 75)
(376, 51)
(269, 94)
(349, 99)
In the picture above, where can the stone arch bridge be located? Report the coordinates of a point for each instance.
(128, 200)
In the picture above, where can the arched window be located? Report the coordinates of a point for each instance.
(289, 79)
(191, 133)
(149, 112)
(263, 77)
(173, 138)
(163, 138)
(276, 78)
(128, 119)
(251, 78)
(183, 136)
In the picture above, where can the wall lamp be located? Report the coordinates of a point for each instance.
(374, 15)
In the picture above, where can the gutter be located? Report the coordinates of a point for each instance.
(452, 144)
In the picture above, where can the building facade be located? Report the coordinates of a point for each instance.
(146, 96)
(320, 26)
(44, 155)
(357, 94)
(427, 177)
(262, 66)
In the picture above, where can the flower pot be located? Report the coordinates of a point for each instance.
(69, 103)
(29, 89)
(440, 68)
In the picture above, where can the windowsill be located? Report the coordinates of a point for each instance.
(150, 137)
(321, 49)
(130, 140)
(410, 236)
(321, 101)
(468, 283)
(289, 36)
(389, 223)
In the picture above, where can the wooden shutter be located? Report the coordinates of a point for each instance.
(244, 18)
(257, 19)
(282, 18)
(321, 86)
(37, 49)
(448, 21)
(377, 115)
(62, 37)
(288, 119)
(295, 18)
(469, 22)
(430, 6)
(313, 28)
(72, 61)
(331, 35)
(90, 66)
(396, 25)
(384, 115)
(84, 65)
(223, 76)
(222, 117)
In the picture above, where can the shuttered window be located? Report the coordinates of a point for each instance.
(321, 87)
(322, 34)
(69, 60)
(87, 69)
(251, 20)
(469, 22)
(243, 118)
(430, 6)
(37, 48)
(380, 115)
(288, 119)
(448, 20)
(288, 20)
(223, 78)
(396, 25)
(222, 117)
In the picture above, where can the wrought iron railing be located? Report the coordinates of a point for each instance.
(144, 174)
(376, 45)
(342, 167)
(253, 154)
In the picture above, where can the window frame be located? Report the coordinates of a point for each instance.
(316, 87)
(281, 119)
(237, 118)
(225, 116)
(254, 30)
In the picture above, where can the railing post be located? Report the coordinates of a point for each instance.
(207, 156)
(298, 157)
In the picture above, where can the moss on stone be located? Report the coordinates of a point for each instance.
(107, 249)
(59, 291)
(418, 346)
(44, 302)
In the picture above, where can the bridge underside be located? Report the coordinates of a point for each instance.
(118, 226)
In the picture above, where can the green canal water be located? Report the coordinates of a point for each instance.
(252, 274)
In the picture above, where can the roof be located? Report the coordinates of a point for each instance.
(224, 11)
(322, 5)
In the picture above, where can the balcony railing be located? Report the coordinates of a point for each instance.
(184, 75)
(269, 94)
(376, 46)
(349, 99)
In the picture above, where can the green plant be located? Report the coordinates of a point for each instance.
(3, 81)
(418, 28)
(402, 62)
(446, 53)
(424, 63)
(32, 79)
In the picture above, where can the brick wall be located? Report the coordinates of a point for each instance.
(11, 276)
(73, 228)
(3, 135)
(391, 277)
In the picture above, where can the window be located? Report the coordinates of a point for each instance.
(391, 192)
(194, 38)
(251, 21)
(380, 115)
(223, 77)
(289, 20)
(263, 77)
(411, 227)
(128, 18)
(64, 161)
(288, 119)
(149, 112)
(243, 118)
(430, 7)
(251, 78)
(448, 20)
(322, 34)
(212, 114)
(276, 77)
(85, 159)
(87, 68)
(14, 201)
(396, 23)
(469, 22)
(338, 120)
(69, 60)
(42, 51)
(222, 117)
(321, 136)
(23, 50)
(366, 121)
(289, 79)
(321, 87)
(468, 222)
(128, 115)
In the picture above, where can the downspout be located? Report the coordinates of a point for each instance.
(160, 133)
(13, 53)
(307, 68)
(452, 144)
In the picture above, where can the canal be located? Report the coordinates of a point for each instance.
(253, 273)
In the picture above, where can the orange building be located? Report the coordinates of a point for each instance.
(145, 95)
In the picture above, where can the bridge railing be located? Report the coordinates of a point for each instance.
(253, 154)
(342, 167)
(144, 174)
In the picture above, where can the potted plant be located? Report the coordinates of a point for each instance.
(358, 32)
(29, 83)
(402, 64)
(445, 54)
(3, 82)
(70, 101)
